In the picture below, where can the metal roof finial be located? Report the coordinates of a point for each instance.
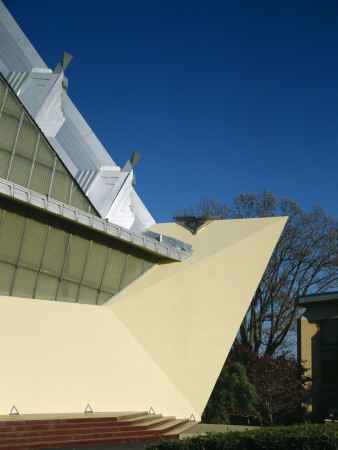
(66, 59)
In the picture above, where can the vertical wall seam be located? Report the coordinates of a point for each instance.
(14, 146)
(17, 265)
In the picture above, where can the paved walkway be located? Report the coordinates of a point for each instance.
(204, 428)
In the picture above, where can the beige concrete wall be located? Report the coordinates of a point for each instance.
(58, 357)
(308, 354)
(160, 343)
(186, 315)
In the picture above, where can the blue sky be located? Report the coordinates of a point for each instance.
(220, 97)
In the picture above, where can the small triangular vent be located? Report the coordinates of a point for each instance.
(194, 223)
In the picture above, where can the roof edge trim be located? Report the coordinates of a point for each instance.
(70, 213)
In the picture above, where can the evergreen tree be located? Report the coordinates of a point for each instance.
(232, 394)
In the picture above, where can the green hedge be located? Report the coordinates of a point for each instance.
(300, 437)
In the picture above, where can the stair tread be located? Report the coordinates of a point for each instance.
(47, 418)
(172, 423)
(180, 429)
(83, 428)
(90, 435)
(59, 425)
(69, 416)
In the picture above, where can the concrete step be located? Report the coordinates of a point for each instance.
(145, 420)
(41, 433)
(186, 424)
(63, 435)
(64, 428)
(170, 426)
(67, 418)
(81, 442)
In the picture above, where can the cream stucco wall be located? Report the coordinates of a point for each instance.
(161, 342)
(58, 357)
(186, 315)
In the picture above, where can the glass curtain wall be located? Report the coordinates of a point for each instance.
(46, 257)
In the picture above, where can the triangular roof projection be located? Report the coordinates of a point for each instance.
(43, 92)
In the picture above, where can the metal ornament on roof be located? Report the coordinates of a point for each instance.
(194, 223)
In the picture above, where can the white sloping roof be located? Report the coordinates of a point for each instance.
(17, 53)
(65, 128)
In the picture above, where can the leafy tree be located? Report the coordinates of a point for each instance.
(265, 388)
(304, 261)
(232, 394)
(278, 381)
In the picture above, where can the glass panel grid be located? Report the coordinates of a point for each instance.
(43, 256)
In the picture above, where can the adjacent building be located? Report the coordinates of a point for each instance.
(317, 337)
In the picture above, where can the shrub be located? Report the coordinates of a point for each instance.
(304, 437)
